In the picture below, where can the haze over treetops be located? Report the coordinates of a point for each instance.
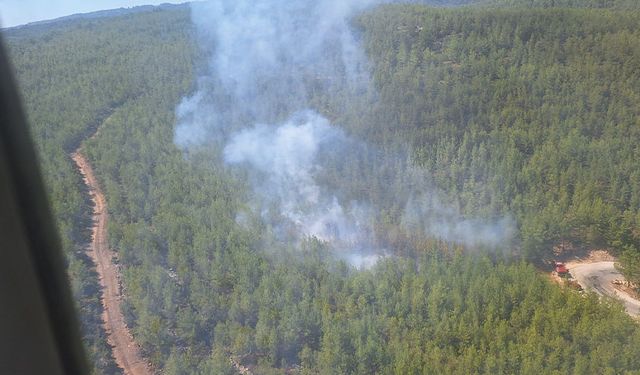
(516, 115)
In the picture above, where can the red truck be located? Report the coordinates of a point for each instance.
(561, 269)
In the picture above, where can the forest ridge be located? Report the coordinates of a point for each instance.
(526, 112)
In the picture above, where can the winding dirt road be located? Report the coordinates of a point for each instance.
(125, 350)
(599, 277)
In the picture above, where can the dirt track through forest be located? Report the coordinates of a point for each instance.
(125, 350)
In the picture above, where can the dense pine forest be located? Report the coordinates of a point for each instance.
(525, 112)
(512, 111)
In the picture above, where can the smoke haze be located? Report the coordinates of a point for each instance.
(309, 178)
(283, 166)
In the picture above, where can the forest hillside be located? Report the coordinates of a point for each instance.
(525, 114)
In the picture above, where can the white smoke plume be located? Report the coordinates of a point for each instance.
(268, 58)
(283, 166)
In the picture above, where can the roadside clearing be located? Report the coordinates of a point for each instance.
(597, 272)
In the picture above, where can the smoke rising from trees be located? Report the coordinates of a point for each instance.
(309, 178)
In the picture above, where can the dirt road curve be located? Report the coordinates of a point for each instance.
(125, 350)
(599, 277)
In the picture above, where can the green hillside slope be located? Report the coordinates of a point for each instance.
(530, 113)
(73, 75)
(602, 4)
